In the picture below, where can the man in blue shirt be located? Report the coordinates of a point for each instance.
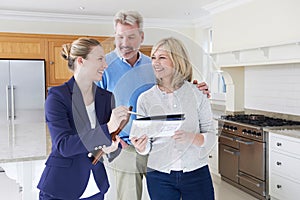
(129, 73)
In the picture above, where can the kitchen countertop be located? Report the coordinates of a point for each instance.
(24, 142)
(291, 131)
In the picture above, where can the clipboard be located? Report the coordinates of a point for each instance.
(156, 126)
(171, 117)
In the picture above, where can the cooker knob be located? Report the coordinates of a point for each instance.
(259, 134)
(244, 131)
(254, 133)
(249, 132)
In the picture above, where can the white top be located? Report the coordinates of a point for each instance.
(166, 154)
(92, 187)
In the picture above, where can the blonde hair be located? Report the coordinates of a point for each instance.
(80, 47)
(130, 17)
(177, 52)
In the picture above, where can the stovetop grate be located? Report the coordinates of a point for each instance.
(259, 120)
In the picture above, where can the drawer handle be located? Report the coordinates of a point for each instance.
(210, 156)
(244, 142)
(278, 186)
(228, 138)
(235, 153)
(279, 144)
(252, 182)
(278, 163)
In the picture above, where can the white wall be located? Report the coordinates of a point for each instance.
(255, 24)
(54, 27)
(273, 88)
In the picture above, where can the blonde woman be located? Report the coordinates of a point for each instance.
(177, 165)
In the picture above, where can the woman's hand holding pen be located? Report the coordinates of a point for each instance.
(117, 116)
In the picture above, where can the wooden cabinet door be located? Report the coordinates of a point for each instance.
(58, 67)
(107, 43)
(21, 46)
(146, 49)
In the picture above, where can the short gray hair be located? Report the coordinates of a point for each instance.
(130, 17)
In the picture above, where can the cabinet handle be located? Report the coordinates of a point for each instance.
(210, 156)
(278, 144)
(278, 186)
(13, 111)
(51, 62)
(8, 103)
(278, 163)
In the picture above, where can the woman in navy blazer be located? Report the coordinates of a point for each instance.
(80, 118)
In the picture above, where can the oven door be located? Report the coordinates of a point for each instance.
(228, 162)
(252, 158)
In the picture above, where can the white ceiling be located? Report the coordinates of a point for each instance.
(186, 10)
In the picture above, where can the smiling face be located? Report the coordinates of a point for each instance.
(94, 65)
(162, 65)
(128, 39)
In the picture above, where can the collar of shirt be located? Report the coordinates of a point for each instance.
(124, 60)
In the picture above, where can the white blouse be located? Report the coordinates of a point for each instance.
(92, 187)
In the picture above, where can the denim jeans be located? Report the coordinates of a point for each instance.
(194, 185)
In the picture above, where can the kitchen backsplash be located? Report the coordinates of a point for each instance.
(273, 88)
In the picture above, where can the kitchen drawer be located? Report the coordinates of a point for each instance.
(283, 189)
(285, 144)
(285, 165)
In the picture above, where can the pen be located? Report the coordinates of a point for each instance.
(137, 114)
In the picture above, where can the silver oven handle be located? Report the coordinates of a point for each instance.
(8, 106)
(252, 182)
(227, 137)
(235, 153)
(244, 142)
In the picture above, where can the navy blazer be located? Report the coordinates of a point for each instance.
(68, 166)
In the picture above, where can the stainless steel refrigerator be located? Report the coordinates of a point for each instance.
(22, 97)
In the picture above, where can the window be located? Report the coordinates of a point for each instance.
(218, 87)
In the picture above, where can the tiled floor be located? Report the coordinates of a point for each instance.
(23, 163)
(223, 191)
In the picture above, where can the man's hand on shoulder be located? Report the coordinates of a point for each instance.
(203, 87)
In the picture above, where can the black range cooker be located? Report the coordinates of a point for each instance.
(243, 151)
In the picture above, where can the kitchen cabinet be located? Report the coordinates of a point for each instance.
(48, 47)
(22, 46)
(146, 49)
(213, 155)
(58, 71)
(284, 162)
